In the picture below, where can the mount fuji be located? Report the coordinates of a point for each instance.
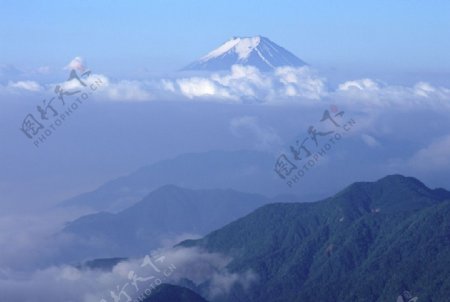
(255, 51)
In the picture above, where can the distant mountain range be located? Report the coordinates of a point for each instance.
(246, 171)
(166, 213)
(255, 51)
(369, 242)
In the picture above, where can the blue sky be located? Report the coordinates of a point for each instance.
(121, 37)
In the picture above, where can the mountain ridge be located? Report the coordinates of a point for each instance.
(343, 243)
(165, 213)
(257, 51)
(242, 170)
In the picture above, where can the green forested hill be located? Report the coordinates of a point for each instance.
(369, 242)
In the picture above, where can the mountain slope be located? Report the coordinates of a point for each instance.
(247, 171)
(173, 293)
(256, 51)
(164, 214)
(370, 242)
(105, 264)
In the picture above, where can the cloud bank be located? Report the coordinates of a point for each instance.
(206, 272)
(247, 84)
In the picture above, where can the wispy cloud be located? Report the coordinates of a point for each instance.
(369, 140)
(207, 271)
(125, 91)
(434, 157)
(25, 85)
(371, 93)
(249, 127)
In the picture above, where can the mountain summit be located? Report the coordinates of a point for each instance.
(370, 242)
(255, 51)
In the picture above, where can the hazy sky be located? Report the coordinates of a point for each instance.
(136, 45)
(145, 112)
(127, 37)
(385, 63)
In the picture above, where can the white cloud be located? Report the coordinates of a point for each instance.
(426, 90)
(249, 127)
(168, 85)
(108, 90)
(77, 64)
(301, 82)
(25, 85)
(75, 84)
(28, 272)
(126, 91)
(359, 85)
(122, 90)
(435, 157)
(373, 93)
(244, 83)
(67, 283)
(207, 270)
(201, 87)
(370, 140)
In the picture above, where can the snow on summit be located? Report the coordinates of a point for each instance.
(255, 51)
(242, 46)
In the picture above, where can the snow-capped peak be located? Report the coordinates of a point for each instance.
(241, 46)
(257, 51)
